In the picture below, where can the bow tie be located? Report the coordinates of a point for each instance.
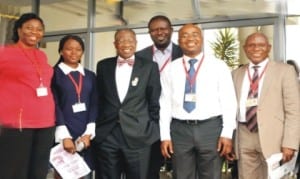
(121, 61)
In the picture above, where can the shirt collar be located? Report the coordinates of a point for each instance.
(132, 57)
(198, 57)
(67, 69)
(167, 50)
(261, 64)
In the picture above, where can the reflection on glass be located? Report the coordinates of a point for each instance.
(64, 15)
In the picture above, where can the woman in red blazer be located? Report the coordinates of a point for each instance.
(27, 105)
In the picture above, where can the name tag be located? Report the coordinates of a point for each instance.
(41, 91)
(78, 107)
(251, 102)
(190, 97)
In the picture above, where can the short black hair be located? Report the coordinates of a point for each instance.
(159, 17)
(22, 19)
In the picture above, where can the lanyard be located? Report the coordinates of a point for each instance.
(34, 62)
(253, 86)
(78, 87)
(189, 78)
(165, 63)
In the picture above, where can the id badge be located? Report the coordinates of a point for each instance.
(41, 91)
(78, 107)
(190, 97)
(251, 102)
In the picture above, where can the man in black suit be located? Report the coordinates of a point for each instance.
(163, 51)
(129, 89)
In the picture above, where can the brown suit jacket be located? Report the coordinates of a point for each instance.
(278, 113)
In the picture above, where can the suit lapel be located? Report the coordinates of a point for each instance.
(239, 80)
(113, 84)
(176, 52)
(267, 80)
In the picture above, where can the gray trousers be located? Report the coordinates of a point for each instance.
(195, 149)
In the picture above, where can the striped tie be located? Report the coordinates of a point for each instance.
(251, 117)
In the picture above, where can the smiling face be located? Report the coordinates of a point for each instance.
(72, 52)
(257, 47)
(160, 32)
(190, 40)
(30, 33)
(125, 43)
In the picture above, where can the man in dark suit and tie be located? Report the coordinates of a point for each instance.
(272, 88)
(163, 51)
(127, 126)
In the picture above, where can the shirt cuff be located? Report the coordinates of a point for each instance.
(165, 135)
(61, 133)
(90, 130)
(227, 132)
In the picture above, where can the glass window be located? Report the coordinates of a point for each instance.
(292, 33)
(9, 12)
(64, 15)
(104, 46)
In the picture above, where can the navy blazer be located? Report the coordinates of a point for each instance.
(65, 96)
(138, 114)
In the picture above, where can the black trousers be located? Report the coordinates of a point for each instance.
(195, 149)
(25, 154)
(156, 161)
(113, 157)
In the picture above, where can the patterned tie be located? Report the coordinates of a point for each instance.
(251, 117)
(190, 105)
(122, 61)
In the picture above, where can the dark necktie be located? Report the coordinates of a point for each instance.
(189, 105)
(251, 117)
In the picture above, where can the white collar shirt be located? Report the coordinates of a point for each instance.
(246, 86)
(67, 69)
(162, 58)
(215, 94)
(123, 75)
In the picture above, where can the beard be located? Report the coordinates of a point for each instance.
(162, 46)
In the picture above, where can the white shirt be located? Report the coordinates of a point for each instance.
(246, 87)
(214, 92)
(67, 69)
(162, 58)
(123, 74)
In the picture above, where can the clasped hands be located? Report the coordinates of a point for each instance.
(70, 146)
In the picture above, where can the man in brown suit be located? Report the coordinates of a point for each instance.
(268, 118)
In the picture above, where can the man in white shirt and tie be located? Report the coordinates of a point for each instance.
(197, 119)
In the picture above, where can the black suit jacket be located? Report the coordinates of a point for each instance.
(138, 114)
(148, 52)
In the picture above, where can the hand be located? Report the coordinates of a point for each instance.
(86, 139)
(224, 146)
(287, 154)
(231, 156)
(166, 148)
(69, 145)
